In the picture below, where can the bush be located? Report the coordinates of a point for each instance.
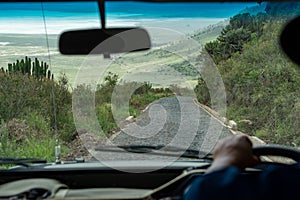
(105, 118)
(32, 110)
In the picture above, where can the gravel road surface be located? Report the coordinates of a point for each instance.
(172, 122)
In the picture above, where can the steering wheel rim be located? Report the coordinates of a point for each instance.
(277, 150)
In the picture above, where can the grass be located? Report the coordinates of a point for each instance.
(30, 146)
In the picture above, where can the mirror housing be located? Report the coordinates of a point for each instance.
(290, 40)
(104, 41)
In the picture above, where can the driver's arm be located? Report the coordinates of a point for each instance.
(225, 178)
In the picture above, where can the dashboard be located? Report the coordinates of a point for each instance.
(97, 181)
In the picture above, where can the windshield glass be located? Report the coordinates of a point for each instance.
(214, 69)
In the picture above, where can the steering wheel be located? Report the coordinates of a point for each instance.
(277, 150)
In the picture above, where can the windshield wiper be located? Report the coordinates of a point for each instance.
(157, 150)
(21, 161)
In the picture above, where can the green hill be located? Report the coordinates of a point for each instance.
(262, 84)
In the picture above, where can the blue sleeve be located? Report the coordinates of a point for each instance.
(273, 183)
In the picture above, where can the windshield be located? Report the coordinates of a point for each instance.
(214, 69)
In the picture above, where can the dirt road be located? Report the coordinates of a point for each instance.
(172, 122)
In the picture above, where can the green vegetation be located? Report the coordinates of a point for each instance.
(28, 102)
(142, 95)
(185, 69)
(34, 107)
(26, 142)
(262, 85)
(35, 68)
(241, 29)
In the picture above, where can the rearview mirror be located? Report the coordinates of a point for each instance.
(104, 41)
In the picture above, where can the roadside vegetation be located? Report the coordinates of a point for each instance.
(29, 97)
(35, 107)
(262, 84)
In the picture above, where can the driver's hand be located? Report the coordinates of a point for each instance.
(233, 151)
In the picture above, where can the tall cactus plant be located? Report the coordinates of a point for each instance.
(37, 69)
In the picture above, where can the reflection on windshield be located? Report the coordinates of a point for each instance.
(214, 69)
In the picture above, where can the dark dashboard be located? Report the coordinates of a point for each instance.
(84, 180)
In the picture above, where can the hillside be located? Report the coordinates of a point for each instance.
(209, 33)
(262, 84)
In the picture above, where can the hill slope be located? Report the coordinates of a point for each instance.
(262, 84)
